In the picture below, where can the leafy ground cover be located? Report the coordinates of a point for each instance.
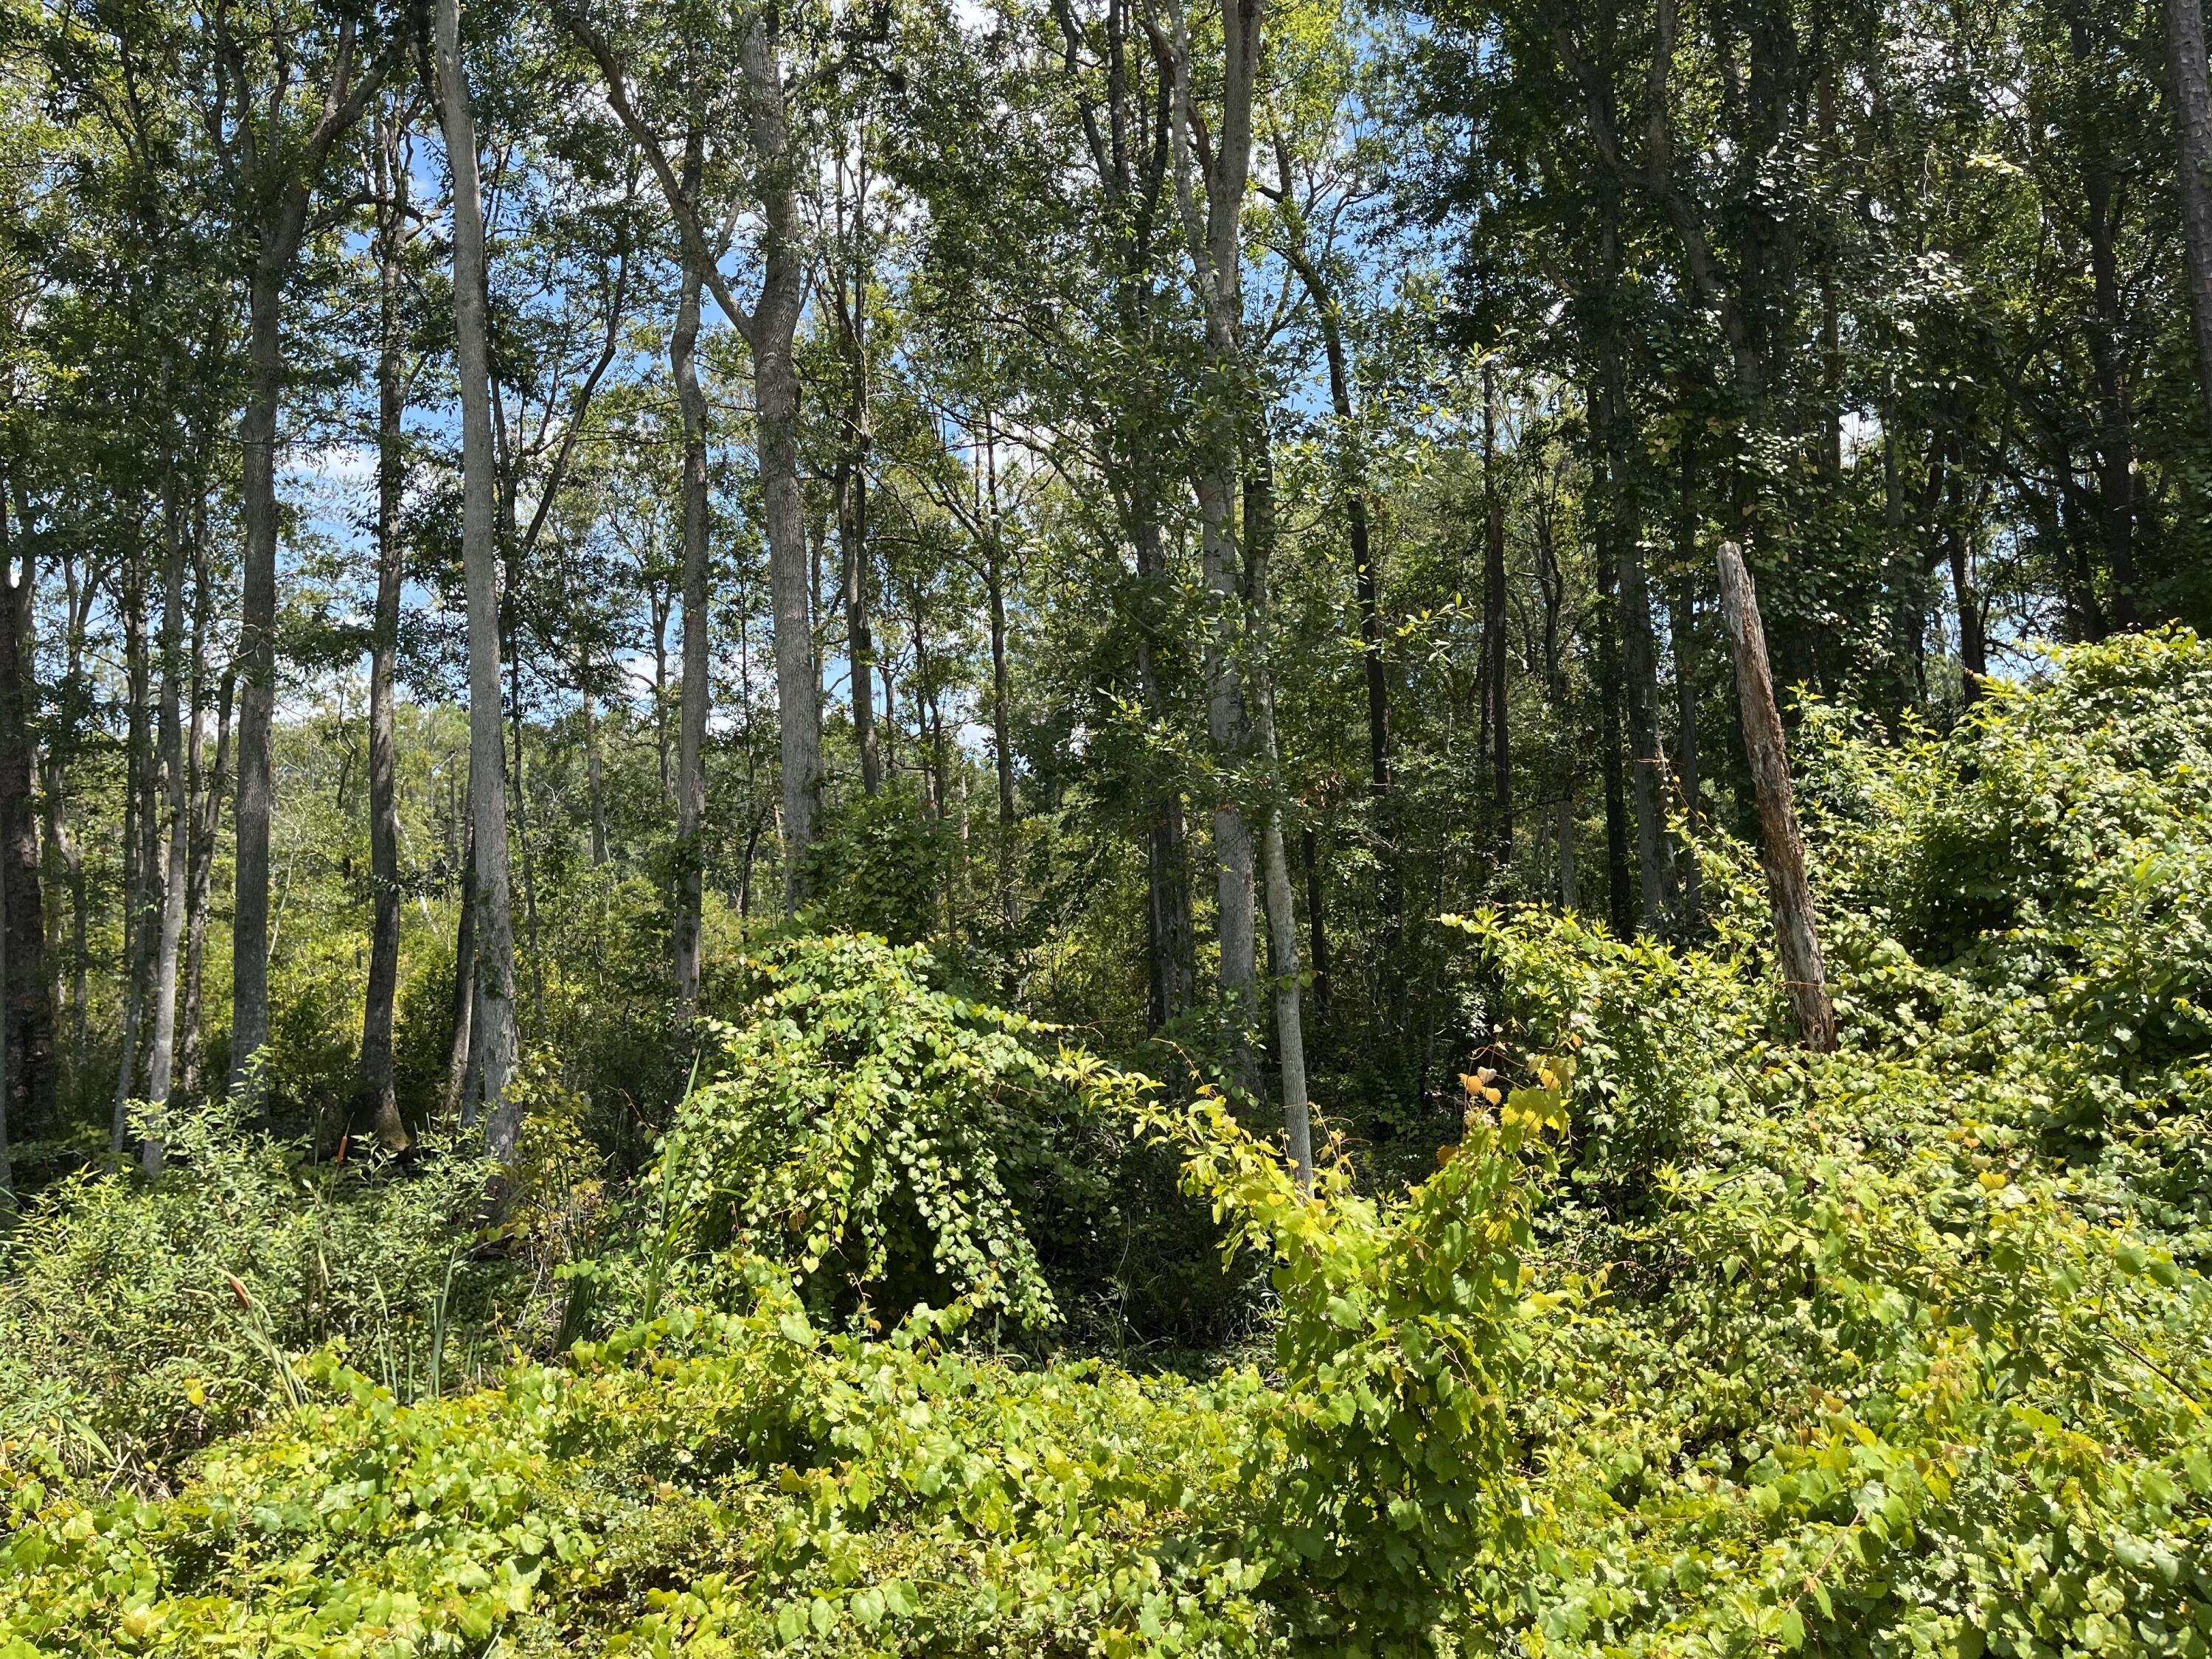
(1692, 1343)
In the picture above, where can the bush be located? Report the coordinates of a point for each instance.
(138, 1322)
(887, 1140)
(743, 1482)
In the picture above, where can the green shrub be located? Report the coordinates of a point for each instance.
(1381, 1473)
(742, 1482)
(137, 1320)
(2026, 901)
(884, 1139)
(878, 865)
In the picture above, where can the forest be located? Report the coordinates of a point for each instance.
(1106, 828)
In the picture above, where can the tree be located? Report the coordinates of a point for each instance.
(284, 110)
(2192, 120)
(493, 1023)
(767, 328)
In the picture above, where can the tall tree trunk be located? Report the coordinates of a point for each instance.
(192, 1044)
(768, 331)
(1620, 905)
(374, 1098)
(55, 786)
(176, 821)
(2192, 111)
(1552, 586)
(1002, 735)
(465, 974)
(1564, 832)
(286, 176)
(1282, 919)
(1681, 627)
(1495, 687)
(494, 1043)
(776, 396)
(1232, 836)
(1169, 933)
(1217, 250)
(27, 1018)
(594, 781)
(859, 638)
(1782, 848)
(1351, 489)
(139, 876)
(852, 478)
(1647, 755)
(691, 727)
(1309, 854)
(257, 662)
(71, 853)
(521, 776)
(1958, 551)
(2116, 452)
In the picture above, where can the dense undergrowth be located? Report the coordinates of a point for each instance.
(1692, 1342)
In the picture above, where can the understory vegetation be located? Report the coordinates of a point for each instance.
(1080, 829)
(1691, 1339)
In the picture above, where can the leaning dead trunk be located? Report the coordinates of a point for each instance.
(495, 1042)
(1781, 846)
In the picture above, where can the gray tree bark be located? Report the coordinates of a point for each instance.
(177, 856)
(2192, 114)
(767, 328)
(1496, 686)
(286, 196)
(140, 838)
(190, 1043)
(374, 1098)
(692, 724)
(1282, 919)
(1216, 251)
(27, 1013)
(1647, 755)
(493, 1039)
(852, 478)
(776, 395)
(1170, 931)
(257, 662)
